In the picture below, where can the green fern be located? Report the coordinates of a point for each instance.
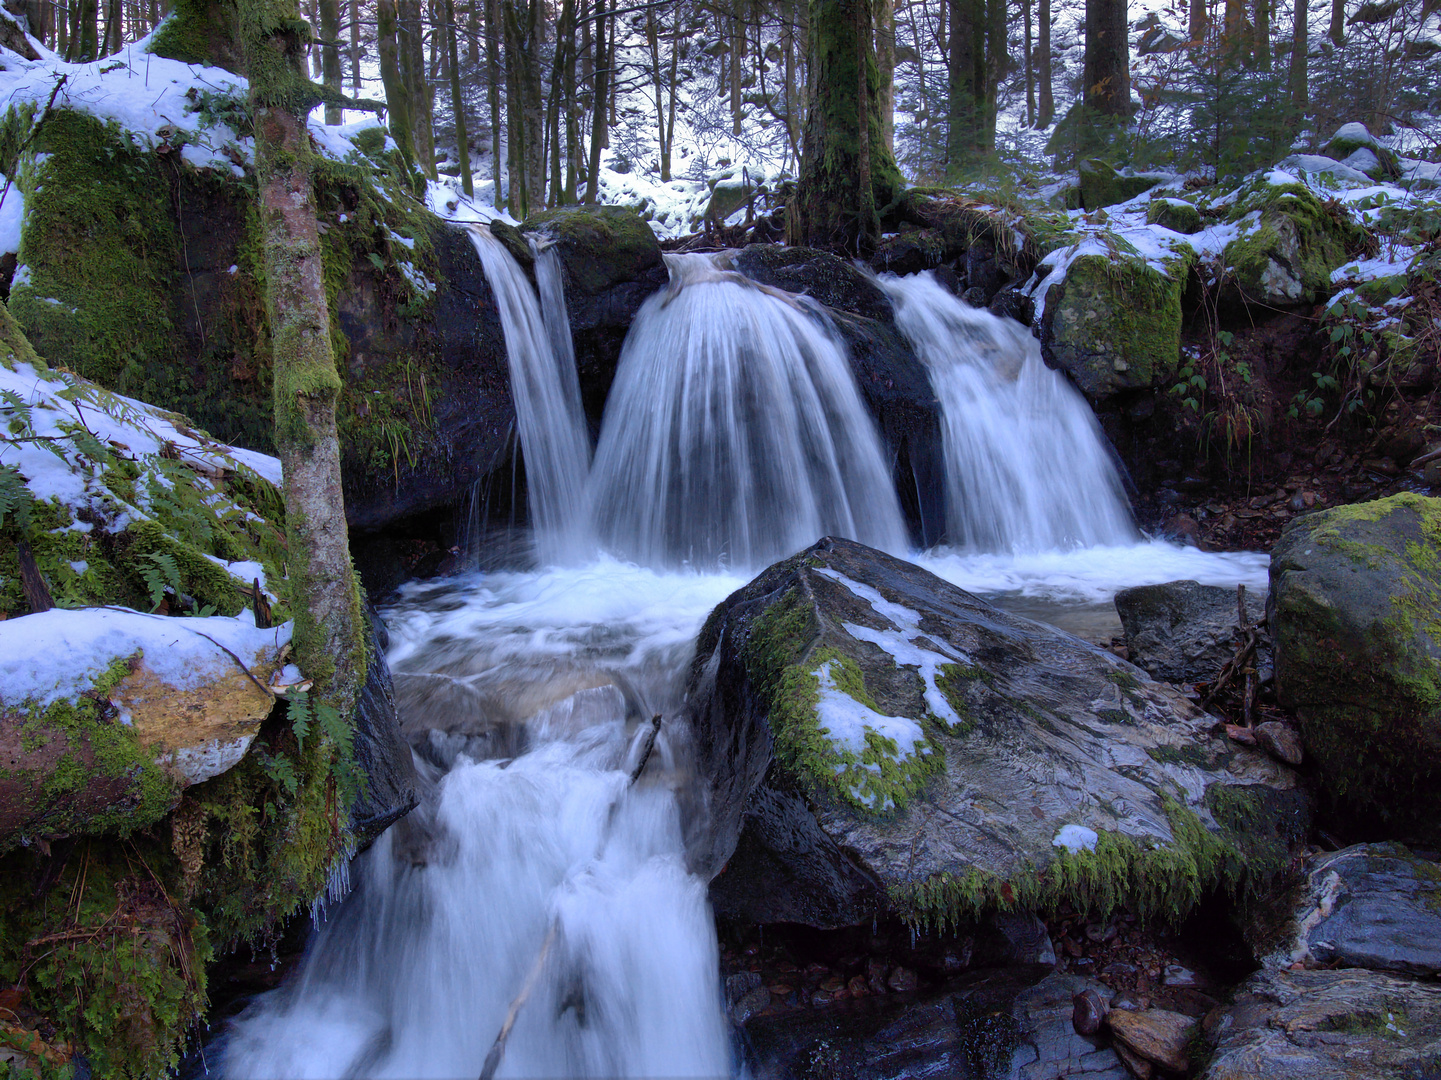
(161, 576)
(301, 716)
(15, 497)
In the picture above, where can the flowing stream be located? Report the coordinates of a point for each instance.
(734, 435)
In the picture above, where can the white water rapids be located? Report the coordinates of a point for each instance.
(734, 435)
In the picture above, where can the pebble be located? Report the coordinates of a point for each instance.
(1088, 1012)
(1157, 1035)
(901, 979)
(1280, 741)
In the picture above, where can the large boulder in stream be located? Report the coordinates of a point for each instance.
(878, 739)
(1355, 614)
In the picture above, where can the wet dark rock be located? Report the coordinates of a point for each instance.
(381, 753)
(975, 296)
(1373, 906)
(1183, 631)
(824, 277)
(1281, 741)
(1355, 613)
(1088, 1012)
(1341, 1025)
(612, 264)
(1035, 738)
(909, 252)
(983, 270)
(1102, 185)
(1013, 304)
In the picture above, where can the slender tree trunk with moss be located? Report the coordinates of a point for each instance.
(457, 101)
(417, 91)
(355, 47)
(330, 55)
(1337, 30)
(492, 92)
(330, 630)
(1030, 71)
(966, 105)
(1199, 20)
(601, 97)
(886, 68)
(397, 99)
(1046, 105)
(847, 174)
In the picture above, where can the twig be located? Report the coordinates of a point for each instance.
(497, 1048)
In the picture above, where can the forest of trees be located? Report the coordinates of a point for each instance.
(531, 94)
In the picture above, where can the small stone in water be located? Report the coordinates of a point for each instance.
(902, 979)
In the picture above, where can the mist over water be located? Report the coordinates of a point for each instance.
(734, 436)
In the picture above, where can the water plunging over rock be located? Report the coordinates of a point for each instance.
(734, 433)
(553, 433)
(1027, 466)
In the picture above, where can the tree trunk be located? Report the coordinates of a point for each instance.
(1046, 107)
(397, 96)
(1030, 77)
(355, 47)
(472, 35)
(737, 50)
(330, 55)
(457, 101)
(329, 634)
(86, 44)
(412, 72)
(602, 96)
(847, 173)
(572, 118)
(1108, 58)
(492, 92)
(652, 41)
(1200, 20)
(886, 69)
(1300, 44)
(114, 28)
(1337, 31)
(998, 62)
(1262, 35)
(966, 104)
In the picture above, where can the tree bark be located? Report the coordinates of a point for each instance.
(1300, 44)
(412, 72)
(966, 104)
(1030, 77)
(492, 92)
(847, 174)
(886, 69)
(330, 634)
(457, 101)
(602, 96)
(1046, 105)
(1108, 58)
(1262, 35)
(998, 63)
(1337, 30)
(355, 47)
(1200, 20)
(397, 96)
(330, 55)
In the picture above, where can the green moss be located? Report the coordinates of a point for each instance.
(1174, 214)
(199, 32)
(1322, 238)
(107, 951)
(97, 778)
(101, 248)
(1186, 754)
(1152, 880)
(958, 683)
(602, 245)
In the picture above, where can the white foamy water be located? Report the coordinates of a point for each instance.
(415, 974)
(1027, 467)
(734, 433)
(546, 390)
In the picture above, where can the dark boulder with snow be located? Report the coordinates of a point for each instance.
(877, 739)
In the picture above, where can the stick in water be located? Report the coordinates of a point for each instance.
(497, 1048)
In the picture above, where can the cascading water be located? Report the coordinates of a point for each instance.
(734, 433)
(1027, 466)
(415, 974)
(543, 381)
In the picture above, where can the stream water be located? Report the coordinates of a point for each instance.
(734, 435)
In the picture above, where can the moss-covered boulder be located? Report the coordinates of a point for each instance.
(140, 268)
(1112, 317)
(1355, 146)
(1355, 613)
(1178, 215)
(1288, 242)
(877, 739)
(1101, 185)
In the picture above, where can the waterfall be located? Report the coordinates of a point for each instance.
(551, 862)
(734, 433)
(553, 434)
(1027, 466)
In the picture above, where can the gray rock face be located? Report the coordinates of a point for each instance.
(998, 748)
(1371, 906)
(1328, 1025)
(1182, 631)
(1355, 615)
(1002, 1023)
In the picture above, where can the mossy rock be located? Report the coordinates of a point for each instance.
(601, 246)
(1178, 215)
(1101, 185)
(1022, 740)
(1354, 145)
(1114, 323)
(1355, 610)
(1289, 244)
